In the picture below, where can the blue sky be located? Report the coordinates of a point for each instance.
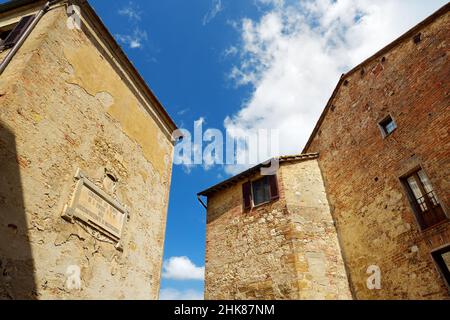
(183, 60)
(246, 64)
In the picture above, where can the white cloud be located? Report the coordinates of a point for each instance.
(192, 156)
(216, 8)
(183, 111)
(131, 11)
(208, 162)
(187, 168)
(182, 268)
(295, 53)
(135, 40)
(231, 51)
(174, 294)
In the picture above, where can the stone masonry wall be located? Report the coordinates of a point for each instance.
(286, 249)
(320, 268)
(362, 170)
(62, 107)
(248, 254)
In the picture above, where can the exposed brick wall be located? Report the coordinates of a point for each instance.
(361, 169)
(287, 249)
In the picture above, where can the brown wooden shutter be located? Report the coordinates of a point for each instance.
(247, 195)
(17, 32)
(273, 183)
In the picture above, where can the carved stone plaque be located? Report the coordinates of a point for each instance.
(93, 206)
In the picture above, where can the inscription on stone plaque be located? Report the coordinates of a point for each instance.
(93, 206)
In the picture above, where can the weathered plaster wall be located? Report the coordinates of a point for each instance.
(362, 170)
(282, 250)
(63, 107)
(319, 264)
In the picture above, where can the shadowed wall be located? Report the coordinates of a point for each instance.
(16, 261)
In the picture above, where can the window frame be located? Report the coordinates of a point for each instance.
(412, 200)
(382, 124)
(441, 266)
(15, 31)
(247, 191)
(266, 179)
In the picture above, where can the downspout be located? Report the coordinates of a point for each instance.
(201, 201)
(25, 35)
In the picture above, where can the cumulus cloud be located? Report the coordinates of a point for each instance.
(182, 268)
(134, 40)
(294, 54)
(216, 8)
(174, 294)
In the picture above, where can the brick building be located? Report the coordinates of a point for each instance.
(85, 160)
(384, 156)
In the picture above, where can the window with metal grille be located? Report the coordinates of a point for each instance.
(423, 199)
(442, 259)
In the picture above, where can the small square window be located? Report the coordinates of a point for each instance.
(442, 259)
(387, 126)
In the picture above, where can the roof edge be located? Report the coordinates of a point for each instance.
(14, 4)
(249, 172)
(128, 65)
(114, 48)
(427, 21)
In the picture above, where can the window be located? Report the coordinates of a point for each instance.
(387, 126)
(423, 199)
(10, 35)
(3, 35)
(260, 191)
(442, 259)
(417, 38)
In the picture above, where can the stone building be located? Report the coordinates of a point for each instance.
(273, 237)
(377, 193)
(85, 160)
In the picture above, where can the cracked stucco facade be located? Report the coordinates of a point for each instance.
(64, 106)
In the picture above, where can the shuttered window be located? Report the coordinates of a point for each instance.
(247, 194)
(13, 37)
(260, 191)
(273, 183)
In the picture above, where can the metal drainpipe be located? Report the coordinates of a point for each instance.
(25, 35)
